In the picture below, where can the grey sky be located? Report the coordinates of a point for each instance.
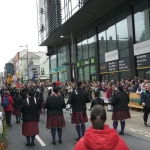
(18, 27)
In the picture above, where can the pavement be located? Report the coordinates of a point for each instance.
(137, 136)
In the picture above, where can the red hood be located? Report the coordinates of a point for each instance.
(101, 139)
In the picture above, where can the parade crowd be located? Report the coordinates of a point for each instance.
(28, 102)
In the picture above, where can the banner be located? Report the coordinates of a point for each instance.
(134, 99)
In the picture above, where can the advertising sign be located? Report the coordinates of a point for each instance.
(142, 48)
(113, 66)
(124, 64)
(143, 60)
(113, 55)
(103, 68)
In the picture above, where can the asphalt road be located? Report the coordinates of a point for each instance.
(136, 135)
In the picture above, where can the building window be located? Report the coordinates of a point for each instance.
(80, 74)
(53, 61)
(85, 47)
(79, 51)
(61, 56)
(30, 62)
(86, 73)
(62, 76)
(91, 46)
(142, 26)
(122, 34)
(111, 38)
(42, 71)
(102, 42)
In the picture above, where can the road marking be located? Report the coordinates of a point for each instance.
(136, 115)
(40, 141)
(147, 134)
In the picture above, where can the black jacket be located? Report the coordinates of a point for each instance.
(78, 100)
(30, 112)
(97, 101)
(54, 105)
(120, 101)
(17, 102)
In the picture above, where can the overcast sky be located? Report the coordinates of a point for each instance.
(18, 27)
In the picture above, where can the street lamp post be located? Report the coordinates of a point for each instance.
(73, 57)
(27, 61)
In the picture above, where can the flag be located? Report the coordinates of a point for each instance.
(33, 78)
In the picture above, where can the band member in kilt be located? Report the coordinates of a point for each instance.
(29, 109)
(120, 109)
(78, 100)
(55, 119)
(16, 107)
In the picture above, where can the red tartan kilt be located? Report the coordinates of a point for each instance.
(43, 104)
(121, 115)
(79, 118)
(16, 112)
(55, 122)
(30, 128)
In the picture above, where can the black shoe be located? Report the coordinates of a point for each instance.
(10, 125)
(16, 121)
(77, 139)
(60, 141)
(121, 133)
(32, 144)
(54, 143)
(28, 144)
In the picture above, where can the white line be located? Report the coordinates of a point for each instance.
(40, 141)
(136, 115)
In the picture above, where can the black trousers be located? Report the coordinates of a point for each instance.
(8, 117)
(146, 113)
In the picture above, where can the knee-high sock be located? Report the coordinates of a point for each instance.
(28, 139)
(122, 126)
(33, 138)
(59, 131)
(53, 132)
(83, 129)
(78, 131)
(19, 117)
(115, 124)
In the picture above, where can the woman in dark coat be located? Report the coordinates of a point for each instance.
(29, 109)
(120, 109)
(55, 119)
(16, 107)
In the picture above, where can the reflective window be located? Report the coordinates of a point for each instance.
(53, 61)
(122, 34)
(85, 49)
(111, 38)
(79, 51)
(92, 69)
(102, 42)
(61, 56)
(141, 21)
(54, 77)
(86, 73)
(80, 74)
(62, 76)
(91, 46)
(124, 75)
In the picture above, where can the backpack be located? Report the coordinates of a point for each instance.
(5, 102)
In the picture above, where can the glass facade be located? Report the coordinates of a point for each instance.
(61, 56)
(70, 7)
(80, 74)
(62, 76)
(86, 73)
(54, 77)
(53, 61)
(142, 26)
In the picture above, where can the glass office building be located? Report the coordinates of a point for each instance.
(107, 43)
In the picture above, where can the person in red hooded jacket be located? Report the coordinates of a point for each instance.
(99, 136)
(9, 109)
